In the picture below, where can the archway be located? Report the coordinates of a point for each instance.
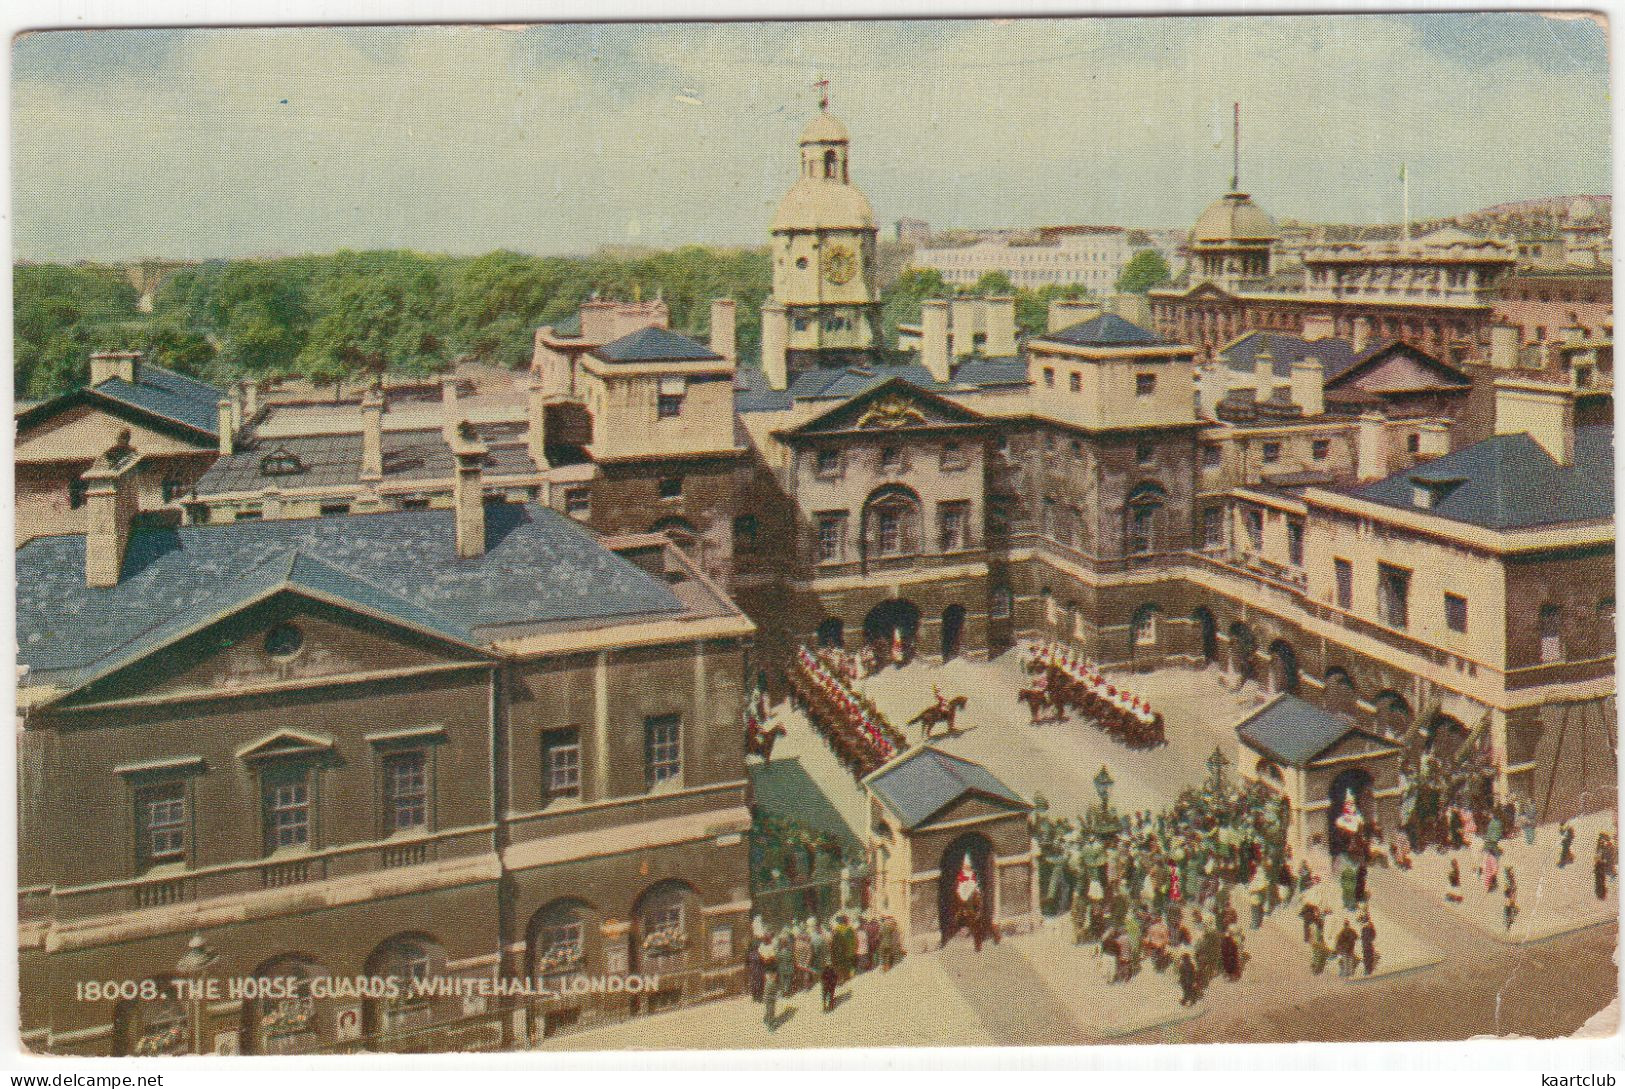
(1283, 667)
(891, 620)
(1393, 713)
(1208, 628)
(161, 1025)
(666, 935)
(1143, 629)
(411, 960)
(290, 1021)
(831, 633)
(1340, 695)
(979, 850)
(562, 941)
(953, 627)
(1352, 783)
(1243, 648)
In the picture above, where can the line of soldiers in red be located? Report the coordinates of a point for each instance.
(1066, 683)
(853, 727)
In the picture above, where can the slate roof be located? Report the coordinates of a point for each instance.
(1447, 374)
(1105, 331)
(652, 344)
(1510, 482)
(539, 567)
(334, 461)
(158, 392)
(920, 784)
(996, 371)
(751, 392)
(1335, 354)
(1294, 732)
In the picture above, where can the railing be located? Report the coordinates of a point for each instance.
(163, 893)
(407, 854)
(282, 874)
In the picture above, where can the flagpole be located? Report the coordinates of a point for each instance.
(1405, 182)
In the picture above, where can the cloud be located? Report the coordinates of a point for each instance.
(562, 138)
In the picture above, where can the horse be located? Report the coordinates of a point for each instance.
(760, 742)
(1037, 701)
(947, 712)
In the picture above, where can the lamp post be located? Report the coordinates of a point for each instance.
(1215, 766)
(193, 963)
(1103, 787)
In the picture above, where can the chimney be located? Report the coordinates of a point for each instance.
(1432, 439)
(963, 315)
(372, 434)
(228, 433)
(1065, 312)
(1504, 347)
(251, 398)
(1361, 338)
(1318, 327)
(111, 501)
(775, 345)
(236, 393)
(1371, 447)
(1264, 373)
(105, 365)
(450, 417)
(724, 330)
(468, 492)
(536, 423)
(1541, 410)
(1309, 386)
(934, 355)
(1001, 325)
(1132, 307)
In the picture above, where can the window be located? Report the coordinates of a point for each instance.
(1049, 443)
(1049, 377)
(161, 823)
(1294, 542)
(1144, 454)
(1077, 449)
(578, 502)
(250, 515)
(953, 456)
(173, 488)
(669, 405)
(1413, 443)
(561, 941)
(890, 531)
(284, 641)
(828, 463)
(954, 518)
(1144, 626)
(1393, 595)
(663, 749)
(1145, 385)
(1551, 634)
(285, 807)
(1321, 449)
(671, 487)
(1343, 571)
(334, 510)
(1272, 453)
(745, 529)
(1142, 528)
(406, 790)
(1074, 382)
(831, 537)
(1255, 530)
(1002, 601)
(561, 764)
(1212, 457)
(891, 458)
(1213, 528)
(1455, 612)
(415, 503)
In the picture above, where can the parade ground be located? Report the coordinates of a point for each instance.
(1463, 972)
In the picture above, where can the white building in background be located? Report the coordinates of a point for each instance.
(1091, 256)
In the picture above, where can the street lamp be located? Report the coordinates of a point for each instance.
(1103, 786)
(1215, 766)
(193, 963)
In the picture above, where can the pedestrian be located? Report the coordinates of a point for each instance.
(1319, 954)
(1230, 953)
(1347, 940)
(1361, 893)
(843, 949)
(1565, 847)
(1526, 820)
(891, 944)
(830, 979)
(1368, 944)
(1510, 912)
(1350, 880)
(787, 950)
(1306, 876)
(1599, 869)
(758, 979)
(770, 985)
(1189, 991)
(1492, 871)
(1454, 877)
(1310, 916)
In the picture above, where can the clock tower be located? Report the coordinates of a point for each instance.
(824, 257)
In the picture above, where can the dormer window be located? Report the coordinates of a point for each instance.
(1428, 492)
(281, 462)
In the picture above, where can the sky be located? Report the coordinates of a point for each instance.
(561, 139)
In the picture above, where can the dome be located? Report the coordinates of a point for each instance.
(1581, 209)
(1234, 218)
(815, 204)
(825, 128)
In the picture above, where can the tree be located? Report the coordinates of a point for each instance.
(1144, 271)
(900, 301)
(377, 320)
(1032, 306)
(995, 282)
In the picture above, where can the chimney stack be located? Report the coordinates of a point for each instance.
(1371, 447)
(775, 345)
(1264, 373)
(450, 416)
(1318, 327)
(934, 355)
(536, 424)
(111, 501)
(963, 315)
(1309, 386)
(468, 492)
(1361, 338)
(1001, 326)
(105, 365)
(372, 434)
(1068, 312)
(251, 398)
(1504, 347)
(1542, 410)
(235, 392)
(228, 433)
(724, 330)
(1432, 439)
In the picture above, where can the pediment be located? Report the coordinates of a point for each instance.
(972, 805)
(1356, 745)
(285, 743)
(1400, 369)
(1208, 292)
(897, 405)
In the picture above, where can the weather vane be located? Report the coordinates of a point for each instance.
(822, 87)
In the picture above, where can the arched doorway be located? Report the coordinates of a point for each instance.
(1352, 783)
(1340, 696)
(979, 850)
(953, 628)
(1283, 668)
(1208, 629)
(891, 619)
(831, 633)
(1243, 649)
(667, 931)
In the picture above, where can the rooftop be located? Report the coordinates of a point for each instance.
(1105, 331)
(922, 783)
(652, 344)
(158, 392)
(1294, 732)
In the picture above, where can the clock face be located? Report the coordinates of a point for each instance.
(840, 264)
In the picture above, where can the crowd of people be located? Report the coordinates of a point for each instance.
(1065, 683)
(853, 727)
(821, 953)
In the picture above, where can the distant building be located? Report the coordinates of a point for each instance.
(1089, 256)
(913, 232)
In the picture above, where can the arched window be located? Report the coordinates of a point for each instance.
(1144, 626)
(156, 1026)
(1551, 633)
(891, 523)
(287, 1019)
(411, 961)
(561, 936)
(665, 917)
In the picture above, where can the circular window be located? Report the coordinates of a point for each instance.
(801, 262)
(284, 641)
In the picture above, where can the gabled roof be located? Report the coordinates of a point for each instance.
(1294, 732)
(156, 393)
(849, 414)
(652, 344)
(538, 568)
(1373, 357)
(1511, 482)
(1241, 354)
(922, 783)
(1105, 331)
